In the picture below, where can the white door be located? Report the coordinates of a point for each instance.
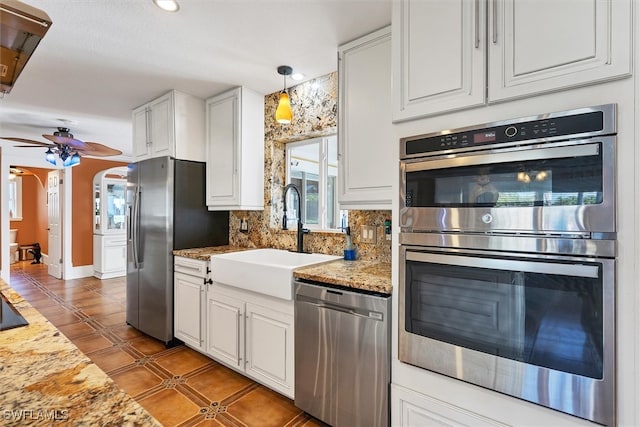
(54, 210)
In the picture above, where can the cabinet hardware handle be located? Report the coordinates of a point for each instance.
(477, 23)
(495, 21)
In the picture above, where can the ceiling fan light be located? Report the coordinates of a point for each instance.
(284, 114)
(50, 157)
(69, 159)
(75, 159)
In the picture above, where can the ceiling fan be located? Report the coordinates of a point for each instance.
(66, 147)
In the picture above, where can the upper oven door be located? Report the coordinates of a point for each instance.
(560, 187)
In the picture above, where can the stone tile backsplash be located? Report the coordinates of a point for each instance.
(314, 105)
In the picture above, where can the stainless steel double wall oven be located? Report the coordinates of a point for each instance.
(508, 247)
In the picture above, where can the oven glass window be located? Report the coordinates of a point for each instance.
(549, 320)
(548, 182)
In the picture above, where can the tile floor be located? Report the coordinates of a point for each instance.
(178, 386)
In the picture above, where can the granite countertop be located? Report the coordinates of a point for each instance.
(367, 275)
(45, 379)
(204, 254)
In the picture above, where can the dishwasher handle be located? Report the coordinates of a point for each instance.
(327, 305)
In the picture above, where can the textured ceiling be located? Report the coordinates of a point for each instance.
(102, 58)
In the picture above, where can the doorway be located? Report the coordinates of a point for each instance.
(25, 213)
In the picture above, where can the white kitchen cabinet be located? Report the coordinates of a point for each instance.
(581, 43)
(412, 409)
(235, 150)
(171, 125)
(109, 255)
(225, 329)
(442, 50)
(366, 167)
(109, 222)
(189, 287)
(269, 347)
(438, 56)
(253, 334)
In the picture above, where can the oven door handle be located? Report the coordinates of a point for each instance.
(578, 150)
(575, 270)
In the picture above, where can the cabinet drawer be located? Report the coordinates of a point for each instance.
(193, 267)
(115, 240)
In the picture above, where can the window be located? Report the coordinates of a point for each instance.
(15, 197)
(312, 166)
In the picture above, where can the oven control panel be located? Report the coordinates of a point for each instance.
(546, 127)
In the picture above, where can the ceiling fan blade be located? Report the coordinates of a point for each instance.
(33, 146)
(26, 141)
(98, 150)
(63, 140)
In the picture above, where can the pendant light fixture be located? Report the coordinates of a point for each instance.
(284, 114)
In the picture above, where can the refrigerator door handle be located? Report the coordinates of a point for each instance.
(134, 229)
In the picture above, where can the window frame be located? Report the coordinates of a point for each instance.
(15, 198)
(323, 180)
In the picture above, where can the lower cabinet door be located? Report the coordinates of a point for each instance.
(188, 296)
(225, 329)
(109, 256)
(115, 258)
(411, 409)
(270, 348)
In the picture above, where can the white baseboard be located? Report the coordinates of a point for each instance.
(110, 275)
(78, 272)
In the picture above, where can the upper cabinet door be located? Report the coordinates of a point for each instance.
(141, 146)
(162, 126)
(366, 167)
(235, 150)
(438, 56)
(538, 46)
(171, 125)
(222, 143)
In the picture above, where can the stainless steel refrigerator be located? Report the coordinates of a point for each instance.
(166, 210)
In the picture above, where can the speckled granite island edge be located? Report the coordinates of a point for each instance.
(45, 379)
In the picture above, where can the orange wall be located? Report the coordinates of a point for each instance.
(82, 208)
(33, 227)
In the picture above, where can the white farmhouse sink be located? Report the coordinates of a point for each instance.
(265, 271)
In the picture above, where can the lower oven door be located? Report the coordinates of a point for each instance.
(534, 327)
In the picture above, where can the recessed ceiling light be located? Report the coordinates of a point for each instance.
(297, 76)
(168, 5)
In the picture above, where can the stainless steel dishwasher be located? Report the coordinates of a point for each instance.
(342, 355)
